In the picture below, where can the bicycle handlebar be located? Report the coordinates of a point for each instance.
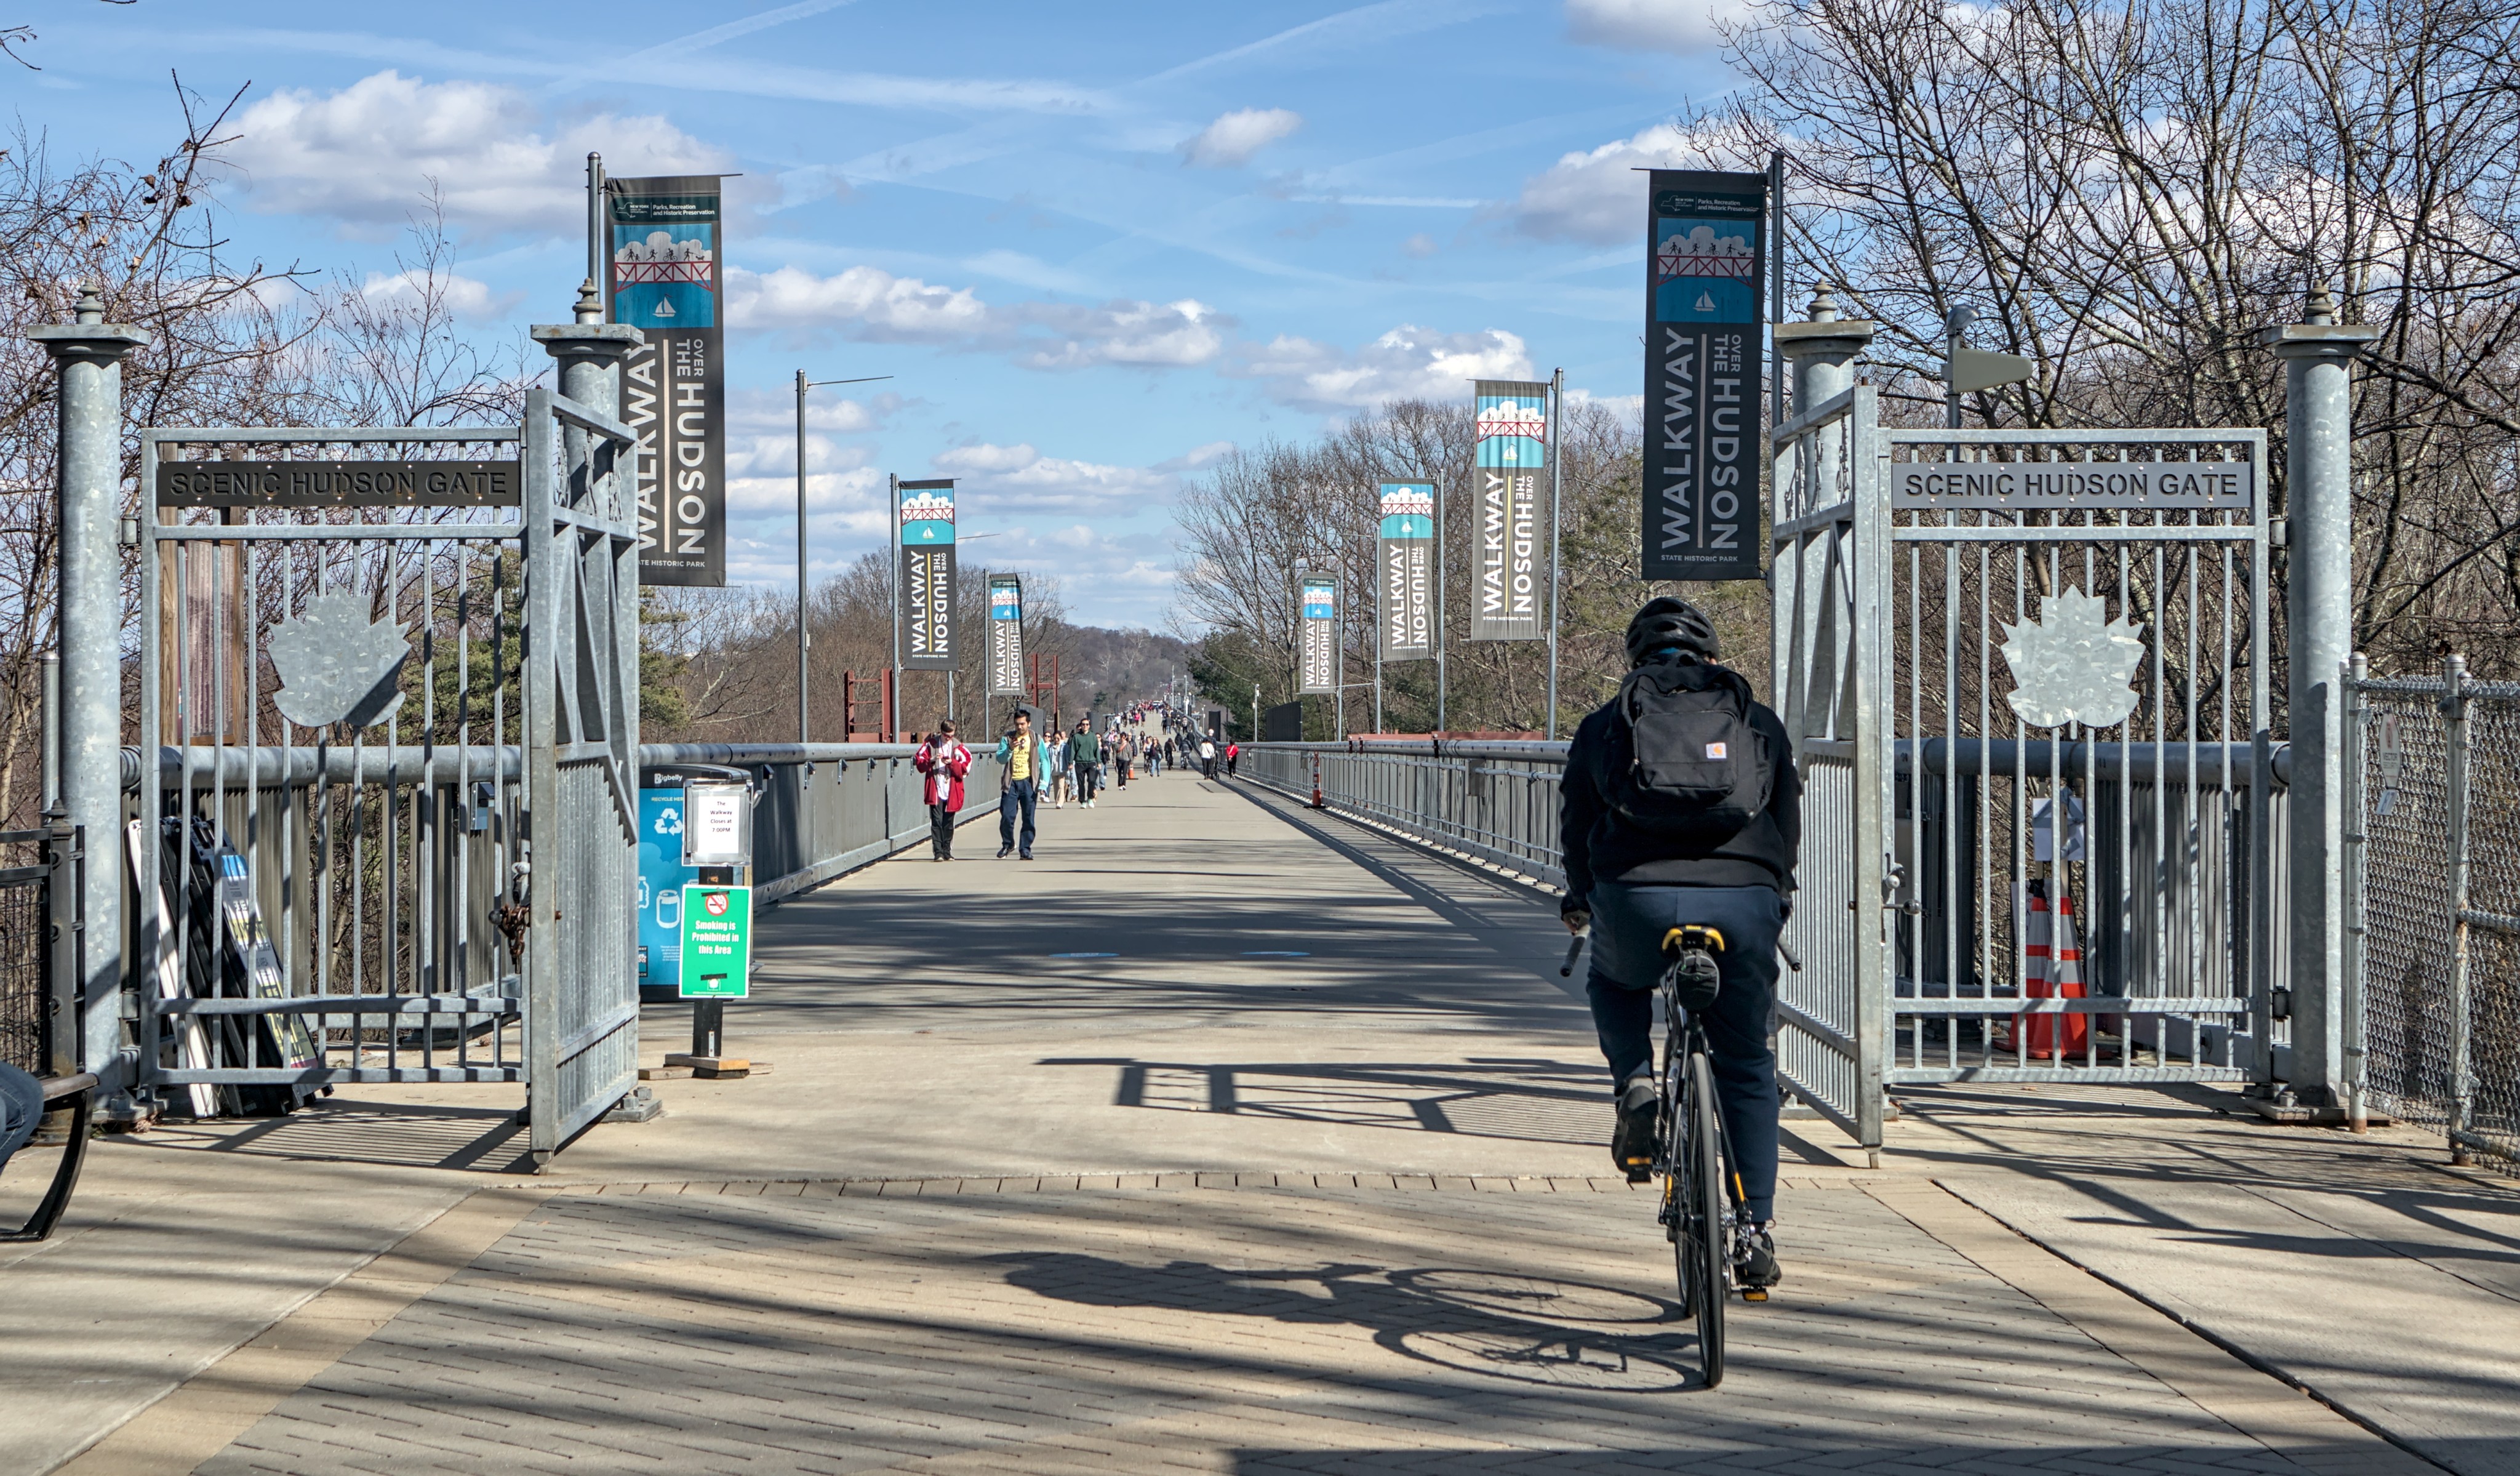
(1574, 947)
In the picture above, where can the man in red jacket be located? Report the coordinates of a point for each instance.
(944, 761)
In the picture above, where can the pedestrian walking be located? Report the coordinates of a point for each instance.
(1207, 756)
(1058, 775)
(1128, 746)
(1232, 756)
(1023, 760)
(944, 760)
(1084, 758)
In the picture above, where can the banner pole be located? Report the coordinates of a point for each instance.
(1441, 643)
(893, 688)
(804, 724)
(1557, 490)
(1380, 615)
(595, 219)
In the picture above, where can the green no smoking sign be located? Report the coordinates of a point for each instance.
(717, 942)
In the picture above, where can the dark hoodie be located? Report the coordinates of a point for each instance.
(1597, 843)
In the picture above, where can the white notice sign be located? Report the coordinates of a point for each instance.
(717, 825)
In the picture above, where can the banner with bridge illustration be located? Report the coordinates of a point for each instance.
(1505, 592)
(1318, 666)
(925, 515)
(665, 240)
(1005, 636)
(1403, 578)
(1705, 284)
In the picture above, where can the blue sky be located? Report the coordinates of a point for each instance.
(1097, 245)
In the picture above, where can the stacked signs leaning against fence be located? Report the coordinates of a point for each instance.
(1404, 579)
(1005, 636)
(926, 613)
(666, 246)
(1512, 452)
(1320, 639)
(1705, 285)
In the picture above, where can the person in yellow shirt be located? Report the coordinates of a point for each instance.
(1024, 762)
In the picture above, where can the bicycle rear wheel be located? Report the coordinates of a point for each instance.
(1704, 1216)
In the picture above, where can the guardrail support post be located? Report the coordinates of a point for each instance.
(87, 358)
(2319, 492)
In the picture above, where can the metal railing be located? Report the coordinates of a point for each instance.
(429, 989)
(829, 808)
(1493, 799)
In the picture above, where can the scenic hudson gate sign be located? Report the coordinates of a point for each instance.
(1705, 286)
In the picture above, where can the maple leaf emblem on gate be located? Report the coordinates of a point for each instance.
(337, 663)
(2073, 664)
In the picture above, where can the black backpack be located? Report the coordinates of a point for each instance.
(1697, 772)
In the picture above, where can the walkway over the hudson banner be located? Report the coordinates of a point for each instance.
(1238, 1137)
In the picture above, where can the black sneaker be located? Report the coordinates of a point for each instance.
(1754, 1259)
(1632, 1142)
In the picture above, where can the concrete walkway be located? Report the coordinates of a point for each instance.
(1233, 1138)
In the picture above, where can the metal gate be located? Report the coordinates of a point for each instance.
(369, 702)
(2027, 675)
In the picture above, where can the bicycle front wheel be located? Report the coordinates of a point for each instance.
(1704, 1218)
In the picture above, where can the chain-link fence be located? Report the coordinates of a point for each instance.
(24, 978)
(2435, 929)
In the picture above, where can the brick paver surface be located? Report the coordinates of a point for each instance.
(971, 1325)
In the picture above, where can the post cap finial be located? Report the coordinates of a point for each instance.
(91, 302)
(1823, 306)
(2321, 308)
(590, 302)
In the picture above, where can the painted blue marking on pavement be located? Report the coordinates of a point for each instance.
(1274, 953)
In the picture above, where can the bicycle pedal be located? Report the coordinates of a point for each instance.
(1639, 1172)
(1754, 1294)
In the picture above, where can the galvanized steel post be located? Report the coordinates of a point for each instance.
(2319, 475)
(87, 356)
(1822, 351)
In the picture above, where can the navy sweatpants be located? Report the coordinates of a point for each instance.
(1628, 927)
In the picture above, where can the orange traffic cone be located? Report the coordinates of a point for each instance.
(2052, 968)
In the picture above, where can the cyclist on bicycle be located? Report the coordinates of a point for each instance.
(1681, 805)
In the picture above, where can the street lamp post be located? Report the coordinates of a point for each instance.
(803, 726)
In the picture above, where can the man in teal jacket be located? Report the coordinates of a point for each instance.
(1025, 764)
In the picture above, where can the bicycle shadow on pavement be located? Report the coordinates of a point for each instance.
(1527, 1329)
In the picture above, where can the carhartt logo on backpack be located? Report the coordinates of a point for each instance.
(1697, 772)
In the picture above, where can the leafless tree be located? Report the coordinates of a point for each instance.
(2130, 190)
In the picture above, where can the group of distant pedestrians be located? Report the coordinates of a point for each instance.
(1074, 765)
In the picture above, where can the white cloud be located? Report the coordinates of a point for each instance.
(774, 412)
(1233, 139)
(365, 156)
(1167, 334)
(1006, 482)
(1674, 26)
(1596, 196)
(1407, 362)
(469, 300)
(868, 302)
(1420, 247)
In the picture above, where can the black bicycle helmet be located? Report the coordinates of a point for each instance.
(1667, 624)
